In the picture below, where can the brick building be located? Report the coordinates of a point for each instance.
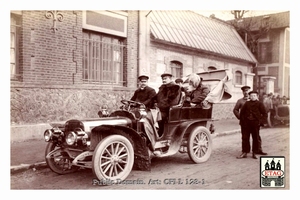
(66, 64)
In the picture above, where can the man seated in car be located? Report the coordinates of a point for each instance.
(197, 91)
(144, 94)
(179, 82)
(168, 95)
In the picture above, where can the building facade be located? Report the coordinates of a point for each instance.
(273, 56)
(268, 37)
(67, 64)
(184, 42)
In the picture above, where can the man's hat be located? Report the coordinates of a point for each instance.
(178, 80)
(245, 87)
(166, 74)
(253, 92)
(143, 77)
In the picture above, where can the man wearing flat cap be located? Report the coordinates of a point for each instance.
(239, 104)
(237, 109)
(252, 114)
(144, 94)
(168, 95)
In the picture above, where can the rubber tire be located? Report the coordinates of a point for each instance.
(100, 149)
(50, 161)
(192, 137)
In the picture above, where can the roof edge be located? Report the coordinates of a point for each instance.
(245, 46)
(204, 51)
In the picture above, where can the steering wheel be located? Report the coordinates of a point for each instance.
(129, 103)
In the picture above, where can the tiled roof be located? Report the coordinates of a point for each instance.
(193, 30)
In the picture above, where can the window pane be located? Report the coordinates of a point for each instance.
(117, 64)
(12, 39)
(13, 46)
(238, 77)
(12, 69)
(12, 56)
(176, 69)
(102, 59)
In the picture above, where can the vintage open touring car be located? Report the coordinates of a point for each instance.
(112, 145)
(279, 116)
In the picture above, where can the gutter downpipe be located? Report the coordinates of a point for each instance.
(142, 42)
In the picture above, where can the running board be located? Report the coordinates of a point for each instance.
(161, 144)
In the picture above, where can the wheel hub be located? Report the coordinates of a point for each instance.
(114, 159)
(201, 143)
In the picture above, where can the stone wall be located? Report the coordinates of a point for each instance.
(223, 111)
(43, 105)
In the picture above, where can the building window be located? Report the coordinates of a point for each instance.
(176, 69)
(265, 52)
(238, 78)
(15, 27)
(103, 59)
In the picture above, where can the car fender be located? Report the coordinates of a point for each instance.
(183, 130)
(188, 126)
(142, 158)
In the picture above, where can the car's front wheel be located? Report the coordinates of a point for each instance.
(113, 159)
(199, 145)
(58, 160)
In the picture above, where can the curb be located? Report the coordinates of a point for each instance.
(228, 132)
(24, 167)
(42, 165)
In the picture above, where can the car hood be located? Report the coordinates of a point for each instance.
(90, 123)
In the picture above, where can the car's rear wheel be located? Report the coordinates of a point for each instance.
(199, 145)
(59, 161)
(113, 159)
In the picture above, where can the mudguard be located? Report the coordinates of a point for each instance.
(141, 153)
(185, 127)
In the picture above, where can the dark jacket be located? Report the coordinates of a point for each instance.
(198, 95)
(238, 106)
(168, 95)
(144, 96)
(253, 110)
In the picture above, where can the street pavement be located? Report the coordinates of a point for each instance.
(30, 154)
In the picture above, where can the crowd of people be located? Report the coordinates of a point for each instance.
(270, 101)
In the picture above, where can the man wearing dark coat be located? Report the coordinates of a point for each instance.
(144, 94)
(236, 111)
(168, 95)
(252, 114)
(239, 104)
